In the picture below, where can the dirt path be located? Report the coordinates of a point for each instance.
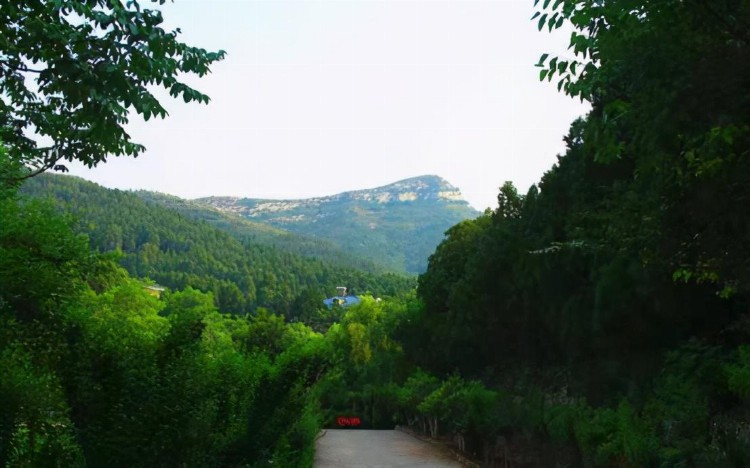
(381, 449)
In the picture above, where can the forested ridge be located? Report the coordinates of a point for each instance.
(396, 226)
(176, 251)
(260, 233)
(598, 319)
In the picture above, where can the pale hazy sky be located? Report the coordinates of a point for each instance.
(317, 97)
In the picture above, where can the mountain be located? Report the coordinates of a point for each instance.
(397, 225)
(261, 233)
(178, 251)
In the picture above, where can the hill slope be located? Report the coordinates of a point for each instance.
(397, 225)
(260, 233)
(177, 251)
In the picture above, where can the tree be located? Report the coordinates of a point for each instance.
(71, 72)
(668, 85)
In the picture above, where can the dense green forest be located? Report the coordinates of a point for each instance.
(260, 233)
(172, 249)
(94, 370)
(599, 319)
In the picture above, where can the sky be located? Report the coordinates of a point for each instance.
(317, 97)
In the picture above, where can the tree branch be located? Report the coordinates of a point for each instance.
(47, 165)
(27, 69)
(21, 68)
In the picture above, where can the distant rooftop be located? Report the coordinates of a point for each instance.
(343, 301)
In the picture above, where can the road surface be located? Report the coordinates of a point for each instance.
(357, 448)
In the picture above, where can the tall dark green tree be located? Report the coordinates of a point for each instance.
(669, 84)
(612, 298)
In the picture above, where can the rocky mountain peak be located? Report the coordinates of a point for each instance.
(428, 187)
(397, 225)
(422, 188)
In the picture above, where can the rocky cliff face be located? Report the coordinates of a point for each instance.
(398, 225)
(417, 188)
(424, 188)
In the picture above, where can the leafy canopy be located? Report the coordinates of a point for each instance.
(72, 71)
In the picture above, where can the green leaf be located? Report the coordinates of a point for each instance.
(551, 22)
(542, 21)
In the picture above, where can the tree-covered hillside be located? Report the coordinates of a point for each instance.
(176, 251)
(396, 226)
(261, 233)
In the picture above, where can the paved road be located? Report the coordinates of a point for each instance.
(341, 448)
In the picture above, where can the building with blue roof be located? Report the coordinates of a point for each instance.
(341, 299)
